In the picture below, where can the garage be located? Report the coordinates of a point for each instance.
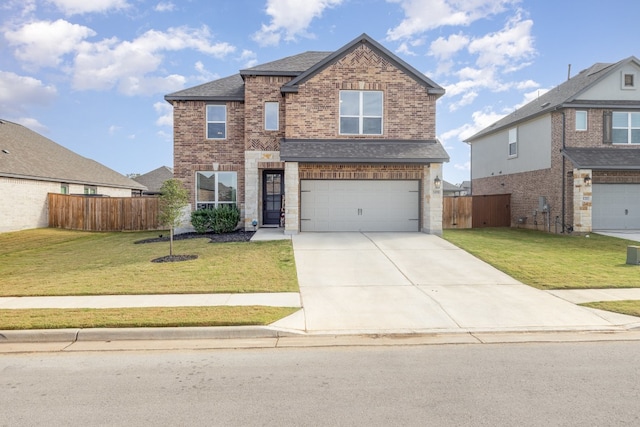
(359, 205)
(616, 207)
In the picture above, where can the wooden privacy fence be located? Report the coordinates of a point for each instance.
(492, 210)
(103, 213)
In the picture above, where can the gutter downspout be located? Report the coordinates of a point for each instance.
(564, 174)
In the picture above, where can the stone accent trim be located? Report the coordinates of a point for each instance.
(359, 171)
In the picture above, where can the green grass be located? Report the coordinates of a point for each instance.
(551, 261)
(46, 262)
(630, 307)
(141, 317)
(61, 262)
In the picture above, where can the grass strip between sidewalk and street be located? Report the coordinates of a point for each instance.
(48, 318)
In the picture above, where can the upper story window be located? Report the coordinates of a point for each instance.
(271, 115)
(513, 142)
(216, 121)
(90, 189)
(581, 120)
(625, 127)
(64, 188)
(360, 112)
(216, 188)
(628, 80)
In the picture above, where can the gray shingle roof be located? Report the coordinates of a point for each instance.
(153, 180)
(566, 94)
(226, 89)
(289, 66)
(369, 151)
(604, 158)
(27, 154)
(431, 86)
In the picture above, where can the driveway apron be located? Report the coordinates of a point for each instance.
(413, 282)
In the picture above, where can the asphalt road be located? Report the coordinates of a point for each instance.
(585, 384)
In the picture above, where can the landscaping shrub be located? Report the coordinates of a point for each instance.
(201, 220)
(223, 219)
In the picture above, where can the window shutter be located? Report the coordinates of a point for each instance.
(607, 127)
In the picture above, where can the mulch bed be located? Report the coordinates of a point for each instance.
(235, 236)
(175, 258)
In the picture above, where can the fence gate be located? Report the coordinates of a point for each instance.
(493, 210)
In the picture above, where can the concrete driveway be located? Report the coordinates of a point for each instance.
(415, 282)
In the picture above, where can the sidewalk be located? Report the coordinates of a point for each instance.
(368, 285)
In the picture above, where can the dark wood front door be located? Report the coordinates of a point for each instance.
(272, 193)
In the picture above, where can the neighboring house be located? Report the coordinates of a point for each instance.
(466, 188)
(570, 158)
(31, 166)
(329, 141)
(153, 180)
(452, 190)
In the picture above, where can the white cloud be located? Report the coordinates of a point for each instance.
(466, 166)
(165, 6)
(509, 48)
(249, 58)
(44, 43)
(424, 15)
(481, 119)
(113, 129)
(18, 94)
(444, 48)
(76, 7)
(290, 19)
(127, 64)
(165, 113)
(32, 124)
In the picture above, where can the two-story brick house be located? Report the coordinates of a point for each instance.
(335, 141)
(571, 158)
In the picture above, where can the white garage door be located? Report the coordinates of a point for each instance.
(337, 205)
(616, 207)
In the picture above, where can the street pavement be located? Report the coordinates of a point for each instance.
(370, 284)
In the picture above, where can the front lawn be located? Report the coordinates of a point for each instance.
(46, 262)
(61, 262)
(552, 261)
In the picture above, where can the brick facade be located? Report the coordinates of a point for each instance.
(313, 112)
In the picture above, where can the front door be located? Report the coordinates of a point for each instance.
(272, 192)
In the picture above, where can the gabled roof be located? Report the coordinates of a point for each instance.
(26, 154)
(226, 89)
(301, 66)
(362, 150)
(153, 180)
(603, 158)
(432, 87)
(564, 95)
(289, 66)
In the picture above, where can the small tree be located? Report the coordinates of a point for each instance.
(173, 198)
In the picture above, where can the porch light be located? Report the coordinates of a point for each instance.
(437, 182)
(587, 180)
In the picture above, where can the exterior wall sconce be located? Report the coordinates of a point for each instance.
(437, 182)
(587, 181)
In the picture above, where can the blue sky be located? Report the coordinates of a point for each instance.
(91, 74)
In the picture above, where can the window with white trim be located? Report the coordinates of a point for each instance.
(90, 189)
(513, 142)
(581, 120)
(625, 127)
(628, 80)
(271, 115)
(216, 121)
(360, 112)
(64, 188)
(216, 188)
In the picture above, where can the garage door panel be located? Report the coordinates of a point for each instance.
(616, 207)
(358, 205)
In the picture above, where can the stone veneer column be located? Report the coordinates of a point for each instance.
(292, 199)
(582, 208)
(252, 160)
(432, 200)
